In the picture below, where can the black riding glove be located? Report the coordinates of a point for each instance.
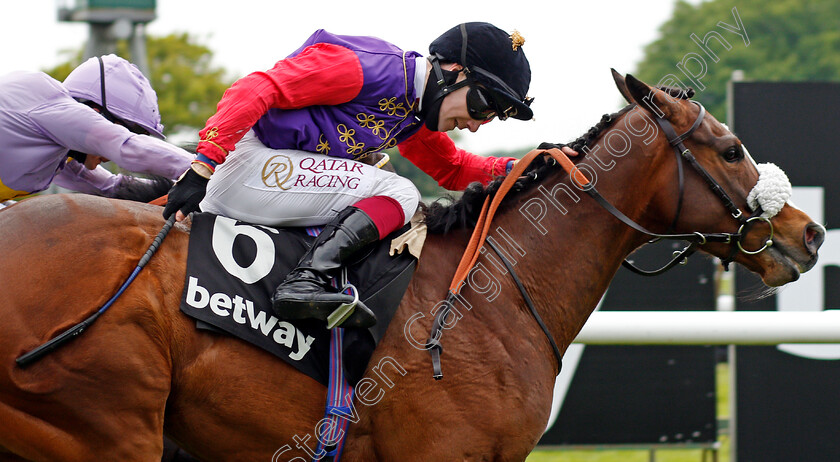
(547, 145)
(186, 194)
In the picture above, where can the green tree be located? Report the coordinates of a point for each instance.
(791, 40)
(188, 86)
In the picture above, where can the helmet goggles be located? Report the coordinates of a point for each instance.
(480, 104)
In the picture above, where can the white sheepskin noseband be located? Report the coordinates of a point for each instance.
(772, 190)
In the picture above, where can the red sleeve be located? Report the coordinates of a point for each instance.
(453, 168)
(322, 73)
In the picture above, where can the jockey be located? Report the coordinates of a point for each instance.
(290, 139)
(60, 132)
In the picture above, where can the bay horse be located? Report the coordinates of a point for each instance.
(143, 370)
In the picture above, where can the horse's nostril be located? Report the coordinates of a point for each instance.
(814, 237)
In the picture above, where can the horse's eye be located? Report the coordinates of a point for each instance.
(733, 154)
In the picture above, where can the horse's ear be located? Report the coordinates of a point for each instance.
(656, 101)
(622, 87)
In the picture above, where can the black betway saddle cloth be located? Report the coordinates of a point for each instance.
(233, 269)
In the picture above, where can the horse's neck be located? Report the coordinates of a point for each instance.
(565, 249)
(571, 267)
(567, 257)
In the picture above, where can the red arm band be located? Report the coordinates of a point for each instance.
(322, 73)
(453, 168)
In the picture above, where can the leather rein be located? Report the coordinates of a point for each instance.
(695, 239)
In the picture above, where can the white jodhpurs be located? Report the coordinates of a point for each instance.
(282, 187)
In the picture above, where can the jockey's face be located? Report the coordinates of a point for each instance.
(453, 109)
(92, 161)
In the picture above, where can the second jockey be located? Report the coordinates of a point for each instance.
(59, 132)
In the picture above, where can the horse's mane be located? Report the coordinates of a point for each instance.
(448, 213)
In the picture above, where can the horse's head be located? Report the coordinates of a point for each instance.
(715, 188)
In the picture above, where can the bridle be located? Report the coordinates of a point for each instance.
(695, 239)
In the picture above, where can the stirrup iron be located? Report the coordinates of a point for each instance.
(345, 310)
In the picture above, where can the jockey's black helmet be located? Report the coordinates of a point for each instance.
(495, 59)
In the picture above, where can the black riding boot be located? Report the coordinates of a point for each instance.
(306, 293)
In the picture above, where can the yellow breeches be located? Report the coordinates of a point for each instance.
(7, 193)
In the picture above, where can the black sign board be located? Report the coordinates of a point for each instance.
(787, 397)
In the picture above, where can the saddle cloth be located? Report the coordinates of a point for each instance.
(233, 269)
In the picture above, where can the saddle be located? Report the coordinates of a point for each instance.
(233, 268)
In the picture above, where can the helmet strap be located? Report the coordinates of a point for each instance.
(105, 112)
(437, 88)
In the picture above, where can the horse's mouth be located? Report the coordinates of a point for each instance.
(802, 260)
(791, 264)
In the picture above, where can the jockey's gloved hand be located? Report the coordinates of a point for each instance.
(568, 150)
(187, 193)
(548, 145)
